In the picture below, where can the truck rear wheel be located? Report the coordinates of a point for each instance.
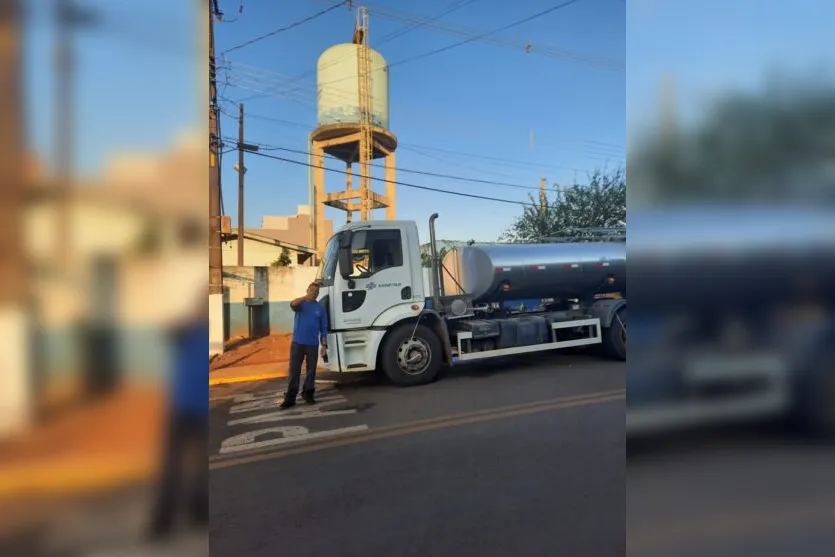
(411, 356)
(614, 336)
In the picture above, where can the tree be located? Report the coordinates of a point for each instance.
(768, 146)
(283, 260)
(599, 203)
(426, 255)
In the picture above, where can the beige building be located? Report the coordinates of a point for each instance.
(263, 246)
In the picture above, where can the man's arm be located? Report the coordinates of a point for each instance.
(296, 304)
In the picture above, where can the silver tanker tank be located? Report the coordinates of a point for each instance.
(711, 256)
(535, 271)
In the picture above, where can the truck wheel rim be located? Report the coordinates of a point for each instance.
(414, 356)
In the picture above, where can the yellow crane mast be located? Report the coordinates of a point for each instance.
(366, 142)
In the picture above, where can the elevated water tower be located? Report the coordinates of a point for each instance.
(352, 126)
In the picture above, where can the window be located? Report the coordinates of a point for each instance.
(328, 264)
(375, 250)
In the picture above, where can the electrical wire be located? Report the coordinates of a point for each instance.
(266, 147)
(487, 34)
(386, 38)
(412, 146)
(237, 17)
(287, 27)
(455, 6)
(516, 44)
(397, 182)
(251, 82)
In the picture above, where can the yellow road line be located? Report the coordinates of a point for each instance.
(247, 378)
(63, 477)
(429, 424)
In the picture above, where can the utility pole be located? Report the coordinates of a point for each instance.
(215, 254)
(241, 172)
(68, 17)
(63, 115)
(16, 366)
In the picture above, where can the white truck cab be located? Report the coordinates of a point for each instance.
(370, 279)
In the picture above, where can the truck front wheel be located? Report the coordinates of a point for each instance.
(411, 356)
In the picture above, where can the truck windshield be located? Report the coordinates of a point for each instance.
(327, 266)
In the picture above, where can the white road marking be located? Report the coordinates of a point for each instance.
(283, 415)
(246, 397)
(289, 434)
(272, 402)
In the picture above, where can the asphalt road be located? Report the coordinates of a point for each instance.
(521, 457)
(760, 490)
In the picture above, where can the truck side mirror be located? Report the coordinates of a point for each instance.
(346, 266)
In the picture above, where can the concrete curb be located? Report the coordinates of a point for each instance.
(80, 475)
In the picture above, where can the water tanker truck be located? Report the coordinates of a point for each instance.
(732, 317)
(386, 314)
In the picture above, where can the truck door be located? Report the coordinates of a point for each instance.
(381, 279)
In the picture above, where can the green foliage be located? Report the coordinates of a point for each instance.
(770, 146)
(426, 255)
(598, 203)
(283, 260)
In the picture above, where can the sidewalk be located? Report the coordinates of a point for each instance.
(101, 445)
(252, 360)
(245, 373)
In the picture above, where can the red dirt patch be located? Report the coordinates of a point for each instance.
(244, 352)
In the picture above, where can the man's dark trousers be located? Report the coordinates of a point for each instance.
(299, 353)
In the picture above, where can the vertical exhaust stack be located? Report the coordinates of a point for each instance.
(436, 276)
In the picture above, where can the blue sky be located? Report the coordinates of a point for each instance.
(136, 81)
(140, 71)
(477, 99)
(712, 47)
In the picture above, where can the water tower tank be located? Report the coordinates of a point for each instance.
(338, 87)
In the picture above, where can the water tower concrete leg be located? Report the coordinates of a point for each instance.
(391, 187)
(319, 197)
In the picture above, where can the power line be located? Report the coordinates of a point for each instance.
(397, 182)
(288, 27)
(266, 147)
(516, 44)
(409, 28)
(386, 38)
(251, 82)
(487, 34)
(408, 146)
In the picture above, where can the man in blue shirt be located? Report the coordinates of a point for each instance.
(188, 427)
(310, 329)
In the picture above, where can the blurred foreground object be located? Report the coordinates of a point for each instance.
(15, 322)
(732, 253)
(730, 382)
(185, 460)
(85, 310)
(733, 316)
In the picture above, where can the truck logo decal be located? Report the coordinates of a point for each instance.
(373, 285)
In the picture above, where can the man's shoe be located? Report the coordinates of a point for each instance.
(308, 398)
(286, 404)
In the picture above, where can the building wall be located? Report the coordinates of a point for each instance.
(256, 254)
(294, 229)
(278, 286)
